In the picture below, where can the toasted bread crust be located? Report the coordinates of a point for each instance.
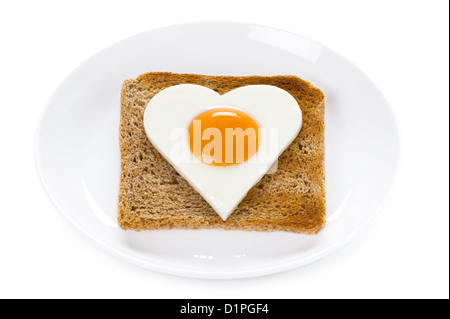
(153, 196)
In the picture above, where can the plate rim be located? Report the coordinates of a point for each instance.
(183, 271)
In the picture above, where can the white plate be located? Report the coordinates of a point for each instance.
(78, 157)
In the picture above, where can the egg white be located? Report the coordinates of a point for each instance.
(170, 112)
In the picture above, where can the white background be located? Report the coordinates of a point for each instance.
(401, 45)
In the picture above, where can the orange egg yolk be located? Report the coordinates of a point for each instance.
(223, 136)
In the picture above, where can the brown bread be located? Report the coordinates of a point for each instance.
(153, 196)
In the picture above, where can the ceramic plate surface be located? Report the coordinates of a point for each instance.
(78, 156)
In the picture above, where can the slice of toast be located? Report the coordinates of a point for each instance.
(153, 196)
